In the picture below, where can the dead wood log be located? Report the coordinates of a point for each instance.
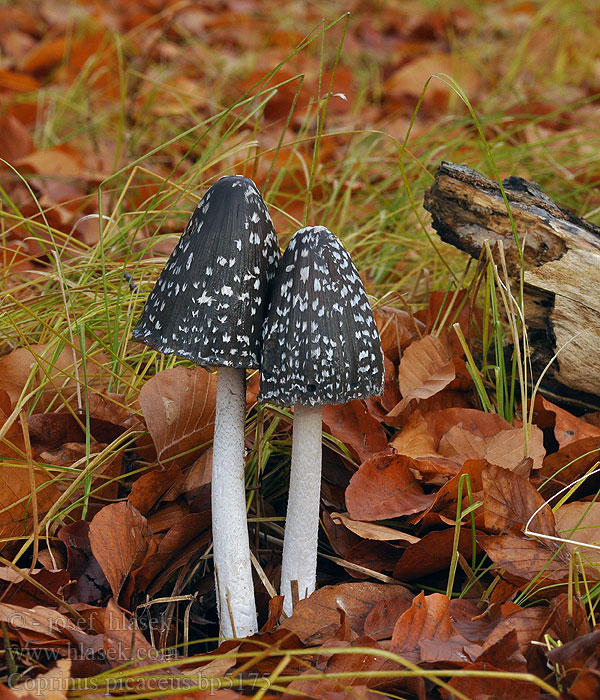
(561, 255)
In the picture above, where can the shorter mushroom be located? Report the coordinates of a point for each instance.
(208, 305)
(320, 346)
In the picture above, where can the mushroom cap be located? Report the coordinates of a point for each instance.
(210, 300)
(320, 342)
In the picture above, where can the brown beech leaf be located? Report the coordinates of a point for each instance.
(48, 624)
(121, 540)
(123, 640)
(15, 498)
(384, 487)
(371, 531)
(356, 428)
(149, 487)
(372, 555)
(575, 653)
(567, 618)
(507, 448)
(566, 427)
(432, 553)
(510, 499)
(397, 330)
(425, 369)
(28, 594)
(380, 622)
(526, 558)
(317, 618)
(425, 633)
(571, 461)
(580, 522)
(526, 622)
(52, 685)
(447, 497)
(179, 409)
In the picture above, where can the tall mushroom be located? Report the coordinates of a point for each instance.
(208, 305)
(320, 346)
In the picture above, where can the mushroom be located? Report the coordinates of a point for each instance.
(208, 306)
(320, 346)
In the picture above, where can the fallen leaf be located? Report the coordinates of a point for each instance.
(123, 640)
(424, 633)
(149, 487)
(356, 428)
(179, 408)
(52, 685)
(15, 499)
(50, 625)
(526, 622)
(510, 499)
(121, 540)
(380, 622)
(526, 558)
(397, 330)
(432, 553)
(565, 427)
(425, 369)
(371, 531)
(384, 487)
(317, 618)
(375, 556)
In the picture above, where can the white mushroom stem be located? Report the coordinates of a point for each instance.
(231, 547)
(302, 519)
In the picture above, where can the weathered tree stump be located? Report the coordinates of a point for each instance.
(561, 254)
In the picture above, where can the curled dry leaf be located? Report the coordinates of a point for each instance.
(425, 369)
(356, 428)
(179, 409)
(121, 540)
(372, 531)
(384, 487)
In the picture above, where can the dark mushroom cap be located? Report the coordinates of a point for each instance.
(210, 300)
(320, 343)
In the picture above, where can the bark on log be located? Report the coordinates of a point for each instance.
(561, 271)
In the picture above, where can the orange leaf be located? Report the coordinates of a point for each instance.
(316, 618)
(510, 499)
(526, 558)
(356, 428)
(425, 369)
(121, 540)
(179, 408)
(425, 633)
(384, 487)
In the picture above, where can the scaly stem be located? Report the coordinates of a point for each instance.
(302, 520)
(231, 547)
